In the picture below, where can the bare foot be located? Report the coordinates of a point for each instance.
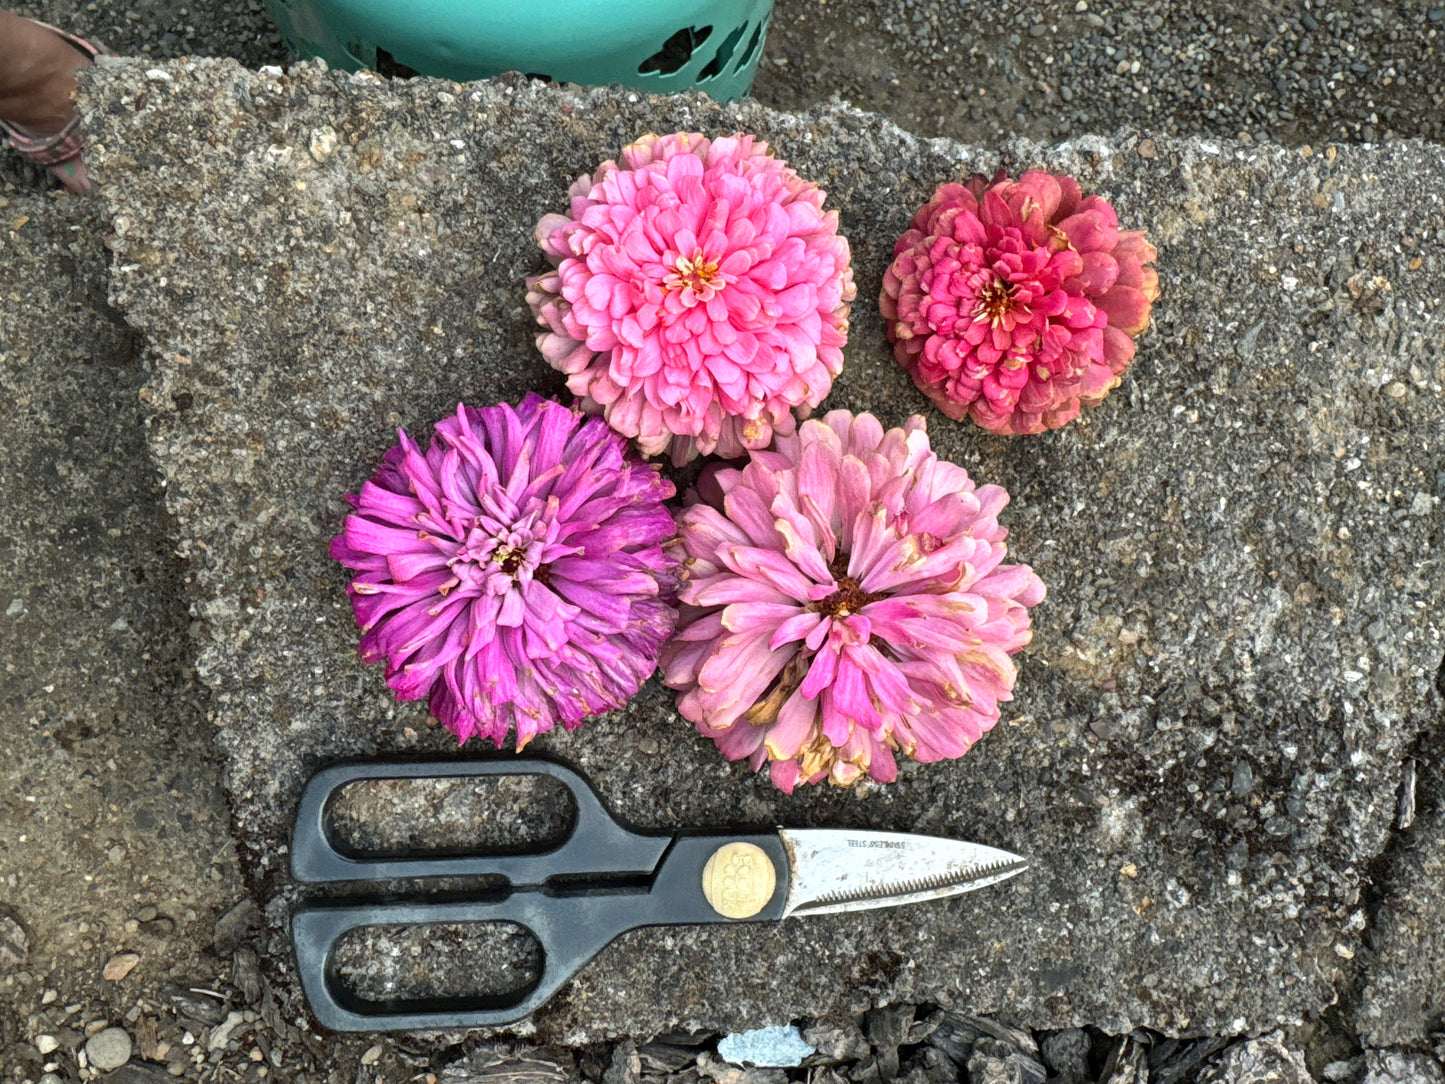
(37, 80)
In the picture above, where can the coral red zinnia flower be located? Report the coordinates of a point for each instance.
(700, 294)
(1015, 302)
(513, 573)
(844, 598)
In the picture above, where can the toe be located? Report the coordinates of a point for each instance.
(73, 175)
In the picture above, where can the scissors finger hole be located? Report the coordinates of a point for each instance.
(482, 815)
(482, 964)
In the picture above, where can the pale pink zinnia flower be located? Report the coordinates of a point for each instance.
(513, 572)
(699, 297)
(844, 598)
(1015, 302)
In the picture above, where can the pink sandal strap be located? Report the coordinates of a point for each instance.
(49, 150)
(54, 151)
(90, 50)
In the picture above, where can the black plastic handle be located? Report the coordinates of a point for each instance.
(570, 928)
(597, 843)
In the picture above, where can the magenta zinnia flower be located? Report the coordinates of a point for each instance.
(514, 572)
(845, 597)
(700, 295)
(1016, 302)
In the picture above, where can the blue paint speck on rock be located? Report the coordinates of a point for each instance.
(780, 1047)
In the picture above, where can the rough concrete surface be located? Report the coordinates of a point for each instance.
(1402, 996)
(1240, 644)
(1266, 1060)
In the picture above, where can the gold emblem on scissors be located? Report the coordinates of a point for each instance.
(738, 880)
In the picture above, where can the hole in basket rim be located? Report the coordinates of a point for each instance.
(391, 68)
(676, 51)
(751, 52)
(716, 65)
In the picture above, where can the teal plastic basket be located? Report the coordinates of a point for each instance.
(659, 46)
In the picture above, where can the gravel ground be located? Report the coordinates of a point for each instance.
(1291, 72)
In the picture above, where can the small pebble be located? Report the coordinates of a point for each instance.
(108, 1049)
(118, 967)
(14, 941)
(1243, 781)
(46, 1043)
(323, 143)
(222, 1034)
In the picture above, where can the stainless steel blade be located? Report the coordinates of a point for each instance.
(840, 870)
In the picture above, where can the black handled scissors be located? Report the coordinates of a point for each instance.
(637, 880)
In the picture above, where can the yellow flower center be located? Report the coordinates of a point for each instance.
(995, 302)
(697, 272)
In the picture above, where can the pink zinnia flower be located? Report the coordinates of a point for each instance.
(700, 295)
(514, 572)
(845, 597)
(1016, 302)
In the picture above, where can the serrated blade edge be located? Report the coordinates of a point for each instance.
(837, 870)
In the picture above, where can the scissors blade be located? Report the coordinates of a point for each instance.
(837, 870)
